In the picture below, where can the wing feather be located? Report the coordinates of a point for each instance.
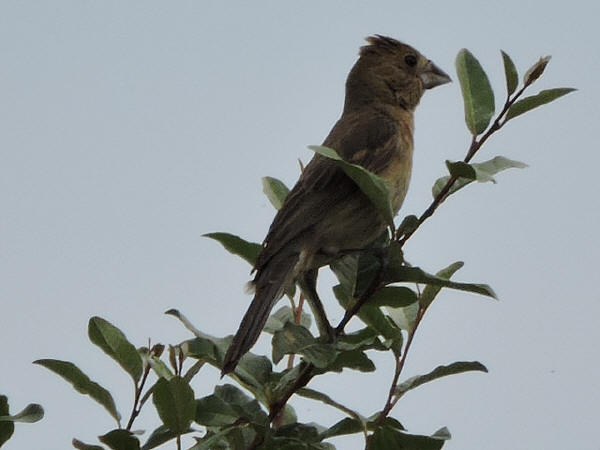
(366, 141)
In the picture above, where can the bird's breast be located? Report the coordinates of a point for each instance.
(398, 171)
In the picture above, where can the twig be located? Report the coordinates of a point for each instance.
(135, 411)
(392, 398)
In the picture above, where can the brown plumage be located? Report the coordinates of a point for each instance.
(326, 213)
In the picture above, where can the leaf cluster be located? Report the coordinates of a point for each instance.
(376, 286)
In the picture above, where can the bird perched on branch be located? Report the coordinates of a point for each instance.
(326, 213)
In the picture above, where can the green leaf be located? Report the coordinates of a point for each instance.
(404, 318)
(114, 343)
(536, 70)
(344, 427)
(275, 190)
(374, 187)
(297, 436)
(352, 359)
(202, 349)
(326, 399)
(442, 433)
(279, 318)
(364, 339)
(529, 103)
(212, 411)
(6, 428)
(373, 423)
(477, 92)
(195, 331)
(356, 272)
(373, 317)
(160, 368)
(367, 270)
(467, 173)
(82, 383)
(289, 415)
(439, 372)
(430, 292)
(245, 407)
(159, 436)
(83, 446)
(497, 164)
(175, 404)
(386, 438)
(462, 169)
(31, 414)
(120, 440)
(213, 441)
(510, 71)
(294, 443)
(234, 244)
(345, 269)
(408, 225)
(254, 372)
(417, 275)
(287, 380)
(295, 339)
(393, 296)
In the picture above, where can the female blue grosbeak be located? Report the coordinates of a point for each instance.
(326, 214)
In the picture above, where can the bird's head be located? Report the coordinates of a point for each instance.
(391, 72)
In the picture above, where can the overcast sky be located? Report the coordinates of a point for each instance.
(129, 129)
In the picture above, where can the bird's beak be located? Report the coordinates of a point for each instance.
(433, 76)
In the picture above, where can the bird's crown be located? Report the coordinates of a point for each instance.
(379, 44)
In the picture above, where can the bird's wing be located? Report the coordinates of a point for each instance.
(368, 141)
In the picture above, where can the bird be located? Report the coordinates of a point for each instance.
(326, 214)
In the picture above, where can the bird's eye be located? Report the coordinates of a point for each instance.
(410, 60)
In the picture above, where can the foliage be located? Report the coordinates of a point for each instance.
(30, 414)
(376, 285)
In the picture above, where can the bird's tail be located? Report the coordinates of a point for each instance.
(270, 283)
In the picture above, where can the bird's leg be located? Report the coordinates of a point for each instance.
(308, 284)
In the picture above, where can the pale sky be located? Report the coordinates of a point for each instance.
(129, 129)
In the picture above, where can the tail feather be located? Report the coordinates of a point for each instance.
(270, 283)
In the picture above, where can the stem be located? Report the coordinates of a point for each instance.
(297, 317)
(135, 411)
(392, 399)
